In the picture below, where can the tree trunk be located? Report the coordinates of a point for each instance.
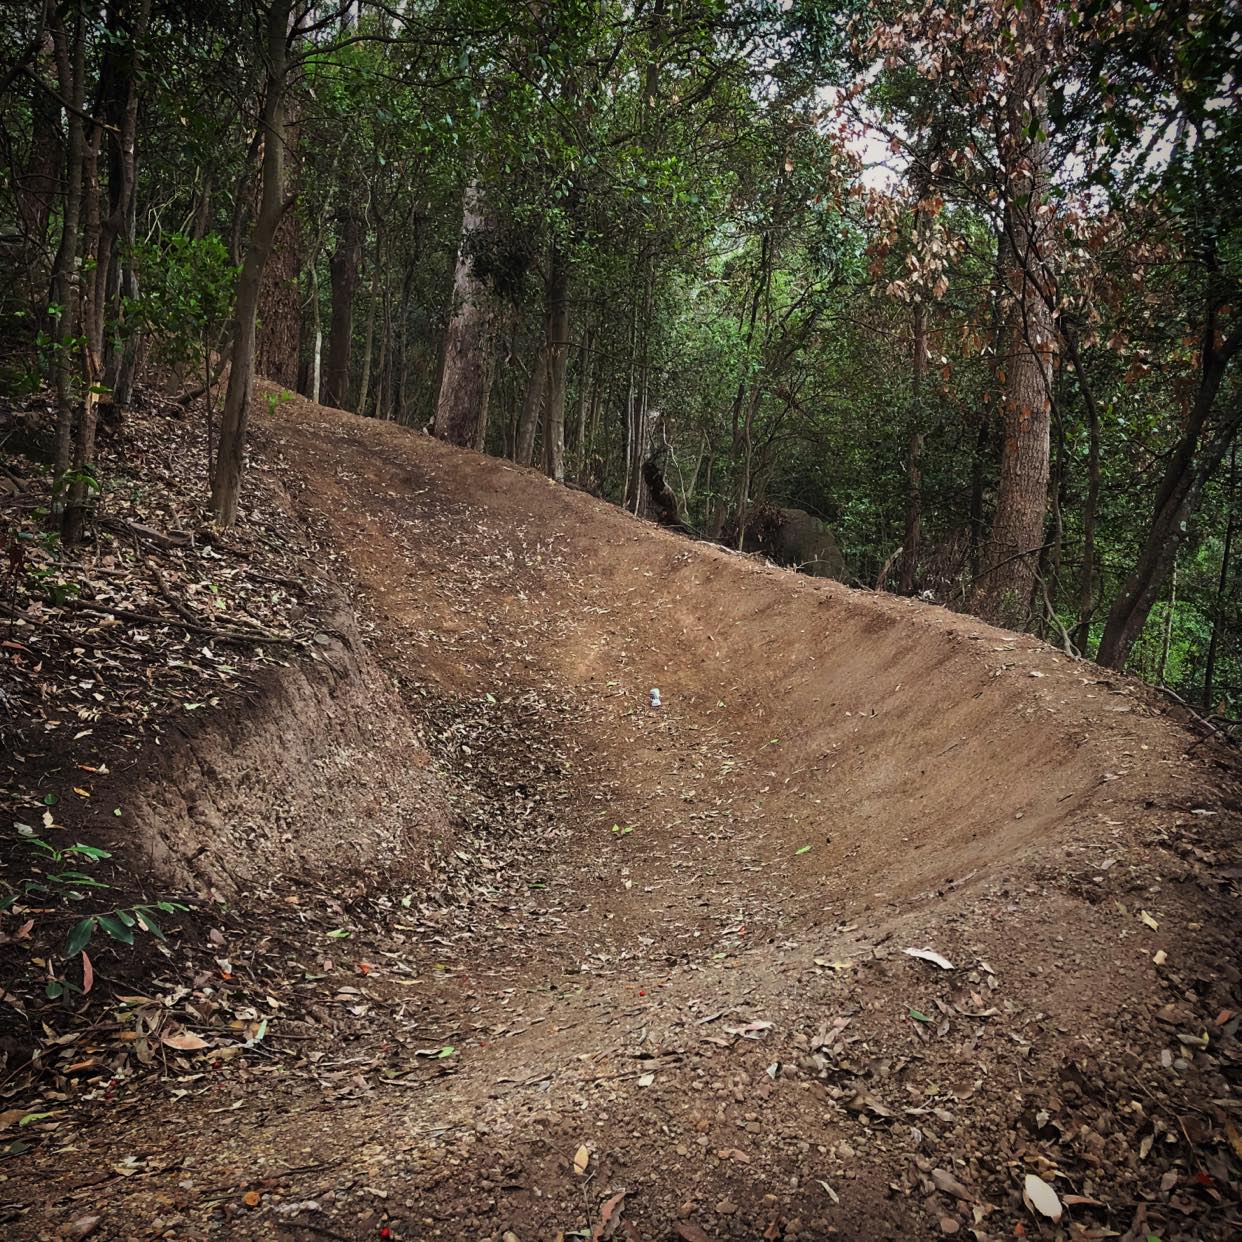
(464, 363)
(316, 368)
(557, 347)
(914, 462)
(1086, 590)
(1222, 582)
(532, 407)
(1003, 593)
(343, 268)
(381, 367)
(918, 384)
(236, 413)
(479, 443)
(278, 341)
(1189, 467)
(36, 189)
(70, 49)
(115, 135)
(364, 383)
(1166, 631)
(585, 366)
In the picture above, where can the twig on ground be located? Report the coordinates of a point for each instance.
(194, 627)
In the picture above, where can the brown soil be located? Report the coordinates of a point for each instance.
(669, 946)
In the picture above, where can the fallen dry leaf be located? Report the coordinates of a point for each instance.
(582, 1157)
(930, 955)
(80, 1228)
(945, 1181)
(609, 1217)
(183, 1041)
(1040, 1197)
(688, 1231)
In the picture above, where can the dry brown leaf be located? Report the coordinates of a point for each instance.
(1040, 1197)
(252, 1198)
(80, 1228)
(609, 1217)
(945, 1181)
(582, 1157)
(688, 1231)
(183, 1041)
(1235, 1139)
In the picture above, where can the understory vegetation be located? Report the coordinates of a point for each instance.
(960, 280)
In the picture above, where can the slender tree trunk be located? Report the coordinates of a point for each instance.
(914, 451)
(70, 50)
(586, 364)
(986, 448)
(742, 504)
(381, 366)
(316, 384)
(630, 442)
(37, 186)
(236, 413)
(1222, 582)
(403, 346)
(364, 383)
(1086, 590)
(344, 275)
(641, 392)
(532, 407)
(918, 384)
(1166, 630)
(202, 212)
(1130, 610)
(558, 358)
(479, 443)
(594, 415)
(464, 363)
(1188, 468)
(114, 135)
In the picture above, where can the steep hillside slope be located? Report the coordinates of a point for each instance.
(667, 997)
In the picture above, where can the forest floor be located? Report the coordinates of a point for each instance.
(667, 994)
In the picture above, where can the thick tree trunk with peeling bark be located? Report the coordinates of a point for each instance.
(1005, 588)
(464, 367)
(278, 344)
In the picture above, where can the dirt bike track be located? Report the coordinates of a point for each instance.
(676, 994)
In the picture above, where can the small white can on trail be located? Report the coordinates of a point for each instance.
(655, 698)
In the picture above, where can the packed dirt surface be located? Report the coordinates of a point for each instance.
(665, 992)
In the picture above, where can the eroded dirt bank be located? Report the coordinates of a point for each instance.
(664, 993)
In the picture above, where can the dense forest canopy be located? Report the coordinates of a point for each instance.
(962, 280)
